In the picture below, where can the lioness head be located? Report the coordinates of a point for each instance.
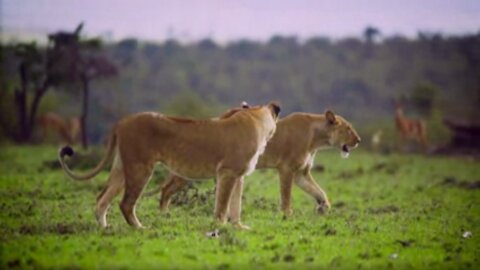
(342, 133)
(273, 106)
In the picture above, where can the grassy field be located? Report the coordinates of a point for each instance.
(389, 212)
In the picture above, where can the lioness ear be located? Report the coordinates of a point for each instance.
(275, 107)
(330, 116)
(245, 105)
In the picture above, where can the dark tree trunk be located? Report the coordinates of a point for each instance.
(21, 103)
(39, 93)
(83, 120)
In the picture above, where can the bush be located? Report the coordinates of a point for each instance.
(190, 104)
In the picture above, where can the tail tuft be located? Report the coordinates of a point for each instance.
(66, 150)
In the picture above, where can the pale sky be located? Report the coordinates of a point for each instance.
(231, 20)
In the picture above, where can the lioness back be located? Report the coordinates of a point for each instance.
(191, 148)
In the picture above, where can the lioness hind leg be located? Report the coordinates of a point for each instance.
(173, 185)
(306, 182)
(115, 184)
(136, 178)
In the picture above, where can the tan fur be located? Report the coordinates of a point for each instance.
(193, 149)
(410, 129)
(67, 129)
(291, 152)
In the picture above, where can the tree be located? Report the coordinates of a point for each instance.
(423, 98)
(34, 79)
(79, 61)
(370, 33)
(190, 104)
(65, 60)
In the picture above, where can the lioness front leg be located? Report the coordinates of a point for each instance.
(226, 181)
(286, 180)
(306, 182)
(235, 206)
(173, 185)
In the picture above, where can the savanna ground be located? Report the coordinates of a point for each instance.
(389, 211)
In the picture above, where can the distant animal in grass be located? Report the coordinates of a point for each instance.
(410, 129)
(376, 140)
(68, 130)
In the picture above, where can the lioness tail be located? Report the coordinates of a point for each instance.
(68, 151)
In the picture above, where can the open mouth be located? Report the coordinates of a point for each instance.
(345, 151)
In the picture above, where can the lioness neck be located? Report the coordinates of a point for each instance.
(321, 134)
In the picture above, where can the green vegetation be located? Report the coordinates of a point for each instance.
(356, 77)
(389, 212)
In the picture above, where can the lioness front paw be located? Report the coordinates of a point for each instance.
(322, 208)
(240, 226)
(220, 222)
(287, 213)
(141, 227)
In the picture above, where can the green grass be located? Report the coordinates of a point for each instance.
(395, 211)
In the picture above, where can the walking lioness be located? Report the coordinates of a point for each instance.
(226, 148)
(292, 151)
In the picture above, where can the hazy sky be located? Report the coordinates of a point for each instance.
(226, 20)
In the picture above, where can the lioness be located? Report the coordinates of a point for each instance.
(292, 151)
(193, 149)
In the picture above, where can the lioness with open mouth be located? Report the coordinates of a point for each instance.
(226, 148)
(292, 151)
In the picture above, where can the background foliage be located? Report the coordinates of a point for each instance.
(435, 76)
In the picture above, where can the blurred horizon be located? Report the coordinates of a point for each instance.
(197, 58)
(227, 21)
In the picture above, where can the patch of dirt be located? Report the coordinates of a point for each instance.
(264, 204)
(318, 168)
(190, 195)
(275, 258)
(452, 181)
(309, 259)
(289, 258)
(339, 204)
(347, 175)
(389, 168)
(369, 255)
(383, 210)
(229, 239)
(14, 263)
(59, 228)
(328, 230)
(405, 243)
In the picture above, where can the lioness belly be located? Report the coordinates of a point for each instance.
(191, 169)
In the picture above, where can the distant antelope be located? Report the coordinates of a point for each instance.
(67, 129)
(410, 129)
(376, 140)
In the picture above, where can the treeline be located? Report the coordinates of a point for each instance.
(357, 77)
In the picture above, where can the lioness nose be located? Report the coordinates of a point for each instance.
(358, 140)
